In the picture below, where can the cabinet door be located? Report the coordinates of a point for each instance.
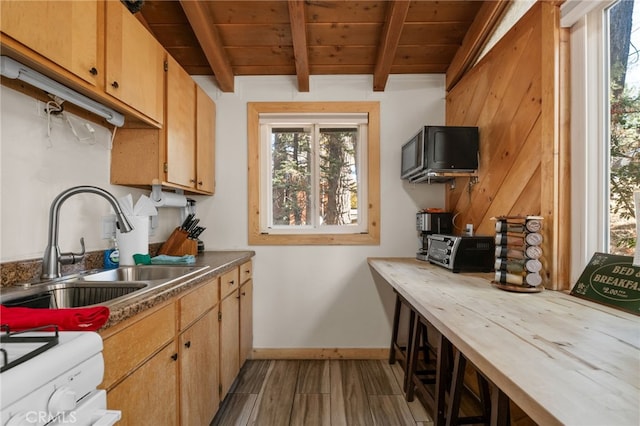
(180, 126)
(134, 62)
(65, 32)
(205, 141)
(246, 321)
(229, 342)
(148, 396)
(199, 371)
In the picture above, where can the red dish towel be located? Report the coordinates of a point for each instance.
(72, 319)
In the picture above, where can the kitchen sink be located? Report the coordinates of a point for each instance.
(71, 294)
(141, 273)
(105, 287)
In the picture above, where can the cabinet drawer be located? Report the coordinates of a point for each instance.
(246, 272)
(126, 349)
(196, 303)
(229, 282)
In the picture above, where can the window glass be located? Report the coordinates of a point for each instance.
(290, 176)
(314, 179)
(623, 33)
(338, 178)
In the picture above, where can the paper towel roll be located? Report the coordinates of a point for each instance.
(135, 241)
(169, 199)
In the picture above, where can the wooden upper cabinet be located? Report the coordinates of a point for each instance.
(65, 32)
(180, 125)
(205, 141)
(134, 62)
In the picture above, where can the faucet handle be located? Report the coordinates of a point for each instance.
(71, 258)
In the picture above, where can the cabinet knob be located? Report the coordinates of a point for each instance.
(200, 183)
(174, 357)
(93, 71)
(192, 180)
(244, 293)
(187, 344)
(231, 282)
(115, 85)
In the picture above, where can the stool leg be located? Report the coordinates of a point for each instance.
(442, 365)
(425, 345)
(412, 360)
(410, 343)
(500, 415)
(485, 397)
(457, 384)
(394, 331)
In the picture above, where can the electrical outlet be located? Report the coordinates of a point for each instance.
(108, 227)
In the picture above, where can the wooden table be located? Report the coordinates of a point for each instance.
(563, 360)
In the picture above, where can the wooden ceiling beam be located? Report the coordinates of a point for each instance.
(396, 14)
(210, 42)
(299, 38)
(483, 25)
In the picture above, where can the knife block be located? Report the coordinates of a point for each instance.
(178, 244)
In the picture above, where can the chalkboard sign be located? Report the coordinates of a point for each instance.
(612, 280)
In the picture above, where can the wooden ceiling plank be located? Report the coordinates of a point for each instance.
(391, 32)
(299, 37)
(483, 25)
(210, 42)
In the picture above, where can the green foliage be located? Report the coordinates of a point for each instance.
(291, 179)
(624, 163)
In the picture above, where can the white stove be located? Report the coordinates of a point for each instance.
(50, 378)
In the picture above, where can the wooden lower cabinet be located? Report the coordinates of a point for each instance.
(174, 363)
(229, 341)
(147, 396)
(198, 357)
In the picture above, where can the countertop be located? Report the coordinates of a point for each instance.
(218, 262)
(562, 359)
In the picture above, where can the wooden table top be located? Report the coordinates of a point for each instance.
(562, 359)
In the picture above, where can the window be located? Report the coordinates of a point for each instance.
(622, 63)
(313, 173)
(605, 129)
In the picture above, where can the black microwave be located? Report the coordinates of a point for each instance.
(440, 149)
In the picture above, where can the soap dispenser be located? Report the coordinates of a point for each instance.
(112, 255)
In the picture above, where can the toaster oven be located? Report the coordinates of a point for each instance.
(462, 253)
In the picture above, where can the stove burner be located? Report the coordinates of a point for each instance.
(30, 346)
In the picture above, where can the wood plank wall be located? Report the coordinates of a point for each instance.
(514, 96)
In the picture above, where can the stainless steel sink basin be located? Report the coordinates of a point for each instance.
(142, 273)
(70, 294)
(97, 288)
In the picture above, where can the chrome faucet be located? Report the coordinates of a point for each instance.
(52, 258)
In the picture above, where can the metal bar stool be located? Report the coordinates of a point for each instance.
(455, 393)
(439, 376)
(397, 351)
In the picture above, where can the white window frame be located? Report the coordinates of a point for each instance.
(314, 122)
(370, 235)
(589, 132)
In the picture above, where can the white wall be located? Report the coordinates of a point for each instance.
(307, 297)
(322, 296)
(36, 168)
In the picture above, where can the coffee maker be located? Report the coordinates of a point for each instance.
(428, 222)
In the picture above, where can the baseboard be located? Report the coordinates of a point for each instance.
(320, 353)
